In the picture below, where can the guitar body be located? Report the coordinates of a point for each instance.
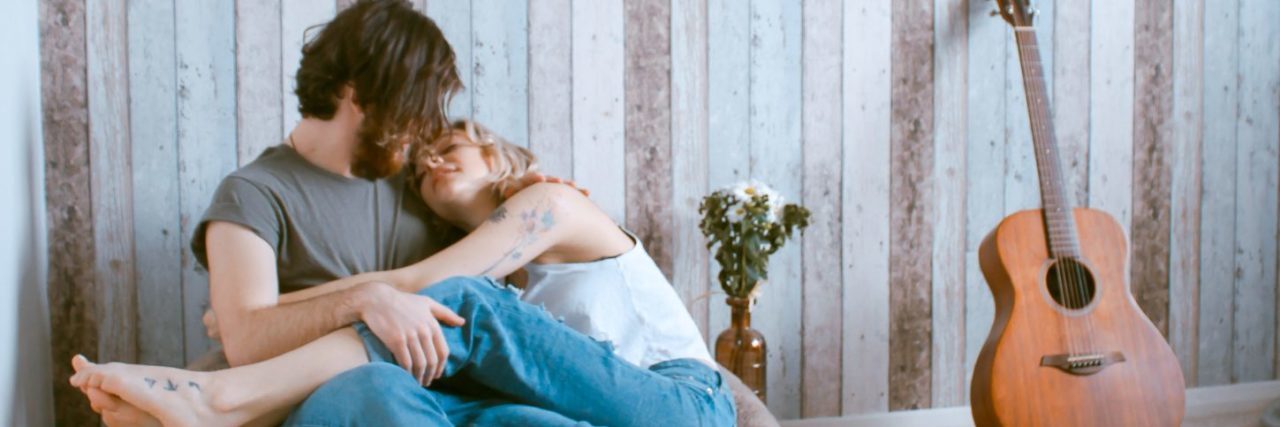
(1010, 385)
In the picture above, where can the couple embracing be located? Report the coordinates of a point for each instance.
(356, 272)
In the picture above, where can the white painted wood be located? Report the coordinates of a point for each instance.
(551, 86)
(865, 234)
(822, 303)
(454, 19)
(1070, 40)
(296, 16)
(1218, 198)
(1257, 177)
(598, 90)
(500, 68)
(985, 172)
(776, 156)
(1111, 122)
(728, 53)
(157, 251)
(951, 36)
(108, 95)
(689, 158)
(259, 116)
(205, 43)
(1238, 405)
(1188, 115)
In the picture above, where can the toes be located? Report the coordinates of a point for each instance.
(103, 401)
(80, 362)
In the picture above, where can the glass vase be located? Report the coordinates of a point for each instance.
(741, 349)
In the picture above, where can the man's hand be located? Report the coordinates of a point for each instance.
(211, 325)
(532, 178)
(409, 325)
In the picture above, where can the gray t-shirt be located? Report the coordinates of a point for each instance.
(323, 226)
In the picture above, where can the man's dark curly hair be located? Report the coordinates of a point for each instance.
(401, 68)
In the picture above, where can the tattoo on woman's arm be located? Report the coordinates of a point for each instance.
(498, 214)
(533, 222)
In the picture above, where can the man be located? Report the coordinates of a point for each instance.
(333, 202)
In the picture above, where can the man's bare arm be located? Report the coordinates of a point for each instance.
(244, 292)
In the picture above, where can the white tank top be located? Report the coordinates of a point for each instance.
(624, 300)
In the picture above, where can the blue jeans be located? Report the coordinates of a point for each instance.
(512, 363)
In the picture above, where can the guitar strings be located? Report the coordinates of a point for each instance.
(1071, 284)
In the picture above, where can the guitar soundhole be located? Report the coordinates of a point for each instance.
(1070, 283)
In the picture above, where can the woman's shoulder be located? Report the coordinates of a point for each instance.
(556, 196)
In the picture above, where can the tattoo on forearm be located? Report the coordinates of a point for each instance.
(533, 222)
(498, 214)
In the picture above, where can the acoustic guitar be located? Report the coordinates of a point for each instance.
(1069, 345)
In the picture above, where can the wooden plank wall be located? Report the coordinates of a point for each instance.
(901, 124)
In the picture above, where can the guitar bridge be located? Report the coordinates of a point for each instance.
(1082, 364)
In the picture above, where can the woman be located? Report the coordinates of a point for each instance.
(580, 266)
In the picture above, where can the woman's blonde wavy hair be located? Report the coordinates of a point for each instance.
(509, 162)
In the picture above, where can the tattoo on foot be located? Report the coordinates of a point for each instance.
(194, 385)
(170, 385)
(151, 382)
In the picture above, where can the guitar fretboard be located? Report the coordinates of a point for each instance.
(1059, 220)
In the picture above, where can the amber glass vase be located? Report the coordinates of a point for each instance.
(742, 349)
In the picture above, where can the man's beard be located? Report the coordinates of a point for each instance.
(378, 155)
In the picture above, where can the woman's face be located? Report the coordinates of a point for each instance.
(455, 172)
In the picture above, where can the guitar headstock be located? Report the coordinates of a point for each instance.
(1017, 13)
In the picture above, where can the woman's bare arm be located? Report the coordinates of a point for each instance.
(523, 228)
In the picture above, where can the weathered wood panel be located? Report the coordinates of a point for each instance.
(157, 251)
(985, 172)
(1152, 159)
(1071, 77)
(1188, 134)
(258, 78)
(1257, 177)
(454, 19)
(728, 53)
(72, 287)
(206, 125)
(775, 118)
(951, 35)
(108, 69)
(500, 68)
(911, 225)
(1218, 215)
(865, 211)
(689, 160)
(821, 356)
(551, 86)
(648, 126)
(598, 89)
(1111, 122)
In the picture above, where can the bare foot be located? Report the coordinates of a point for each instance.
(118, 413)
(175, 397)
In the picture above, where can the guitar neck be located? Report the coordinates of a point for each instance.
(1059, 220)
